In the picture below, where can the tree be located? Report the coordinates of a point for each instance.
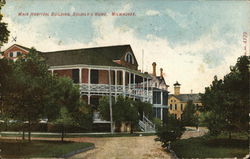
(189, 116)
(64, 120)
(67, 101)
(124, 110)
(4, 33)
(6, 78)
(29, 90)
(226, 101)
(144, 108)
(170, 131)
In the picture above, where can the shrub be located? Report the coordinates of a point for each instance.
(170, 131)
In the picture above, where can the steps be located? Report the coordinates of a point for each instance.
(146, 125)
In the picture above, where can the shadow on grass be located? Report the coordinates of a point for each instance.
(20, 149)
(210, 147)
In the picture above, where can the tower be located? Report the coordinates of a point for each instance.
(177, 88)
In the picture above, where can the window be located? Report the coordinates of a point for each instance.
(75, 75)
(170, 106)
(165, 98)
(129, 58)
(119, 77)
(175, 106)
(11, 54)
(94, 77)
(181, 107)
(18, 54)
(156, 97)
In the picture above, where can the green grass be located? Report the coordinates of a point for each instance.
(212, 147)
(19, 149)
(84, 135)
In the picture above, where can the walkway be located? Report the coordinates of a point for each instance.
(141, 147)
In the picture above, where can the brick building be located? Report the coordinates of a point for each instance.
(102, 71)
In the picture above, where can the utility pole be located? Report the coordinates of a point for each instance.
(110, 103)
(142, 61)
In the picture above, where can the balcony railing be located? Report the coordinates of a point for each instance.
(132, 90)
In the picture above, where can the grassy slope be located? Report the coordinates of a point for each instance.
(213, 147)
(14, 149)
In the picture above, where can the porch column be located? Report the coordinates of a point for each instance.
(115, 85)
(134, 87)
(147, 90)
(161, 98)
(123, 82)
(129, 84)
(143, 89)
(88, 99)
(161, 113)
(80, 75)
(52, 72)
(89, 74)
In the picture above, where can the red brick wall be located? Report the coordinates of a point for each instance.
(103, 77)
(85, 74)
(64, 73)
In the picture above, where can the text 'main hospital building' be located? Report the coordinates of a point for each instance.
(91, 68)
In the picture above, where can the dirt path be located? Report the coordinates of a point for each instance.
(133, 147)
(143, 147)
(194, 133)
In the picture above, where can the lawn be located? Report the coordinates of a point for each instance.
(212, 147)
(19, 149)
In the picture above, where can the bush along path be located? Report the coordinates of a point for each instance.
(189, 133)
(194, 145)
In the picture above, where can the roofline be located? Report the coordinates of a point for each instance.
(85, 48)
(19, 46)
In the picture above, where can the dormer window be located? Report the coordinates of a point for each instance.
(129, 58)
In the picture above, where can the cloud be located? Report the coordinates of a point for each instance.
(179, 18)
(193, 63)
(152, 13)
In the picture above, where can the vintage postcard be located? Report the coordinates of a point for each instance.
(124, 79)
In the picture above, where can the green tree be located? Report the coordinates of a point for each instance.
(4, 33)
(84, 116)
(189, 116)
(29, 90)
(6, 78)
(67, 101)
(124, 110)
(226, 101)
(170, 131)
(64, 119)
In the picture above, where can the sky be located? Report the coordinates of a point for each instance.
(191, 40)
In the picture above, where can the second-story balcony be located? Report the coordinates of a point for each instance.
(133, 90)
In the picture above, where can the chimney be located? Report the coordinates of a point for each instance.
(177, 88)
(154, 68)
(161, 70)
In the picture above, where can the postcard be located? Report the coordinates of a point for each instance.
(107, 79)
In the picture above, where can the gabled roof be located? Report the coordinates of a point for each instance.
(162, 80)
(19, 46)
(89, 56)
(187, 97)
